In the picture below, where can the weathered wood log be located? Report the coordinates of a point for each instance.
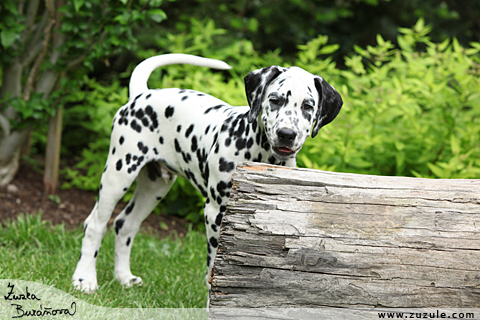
(309, 238)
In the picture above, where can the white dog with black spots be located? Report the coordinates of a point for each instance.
(164, 133)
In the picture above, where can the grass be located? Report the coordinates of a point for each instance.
(172, 269)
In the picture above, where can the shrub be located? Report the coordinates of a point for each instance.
(412, 110)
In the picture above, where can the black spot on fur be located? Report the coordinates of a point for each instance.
(189, 130)
(149, 110)
(113, 151)
(139, 114)
(177, 146)
(121, 140)
(142, 147)
(179, 128)
(119, 165)
(128, 157)
(194, 144)
(130, 208)
(250, 143)
(213, 108)
(184, 98)
(96, 254)
(240, 144)
(223, 187)
(226, 166)
(212, 193)
(218, 219)
(118, 225)
(135, 126)
(160, 140)
(129, 240)
(214, 242)
(169, 112)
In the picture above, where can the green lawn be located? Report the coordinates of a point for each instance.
(172, 269)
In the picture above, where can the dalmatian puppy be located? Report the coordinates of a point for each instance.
(164, 133)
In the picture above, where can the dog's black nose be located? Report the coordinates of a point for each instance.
(286, 135)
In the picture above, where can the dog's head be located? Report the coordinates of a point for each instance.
(291, 102)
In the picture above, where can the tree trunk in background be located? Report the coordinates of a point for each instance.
(11, 141)
(52, 156)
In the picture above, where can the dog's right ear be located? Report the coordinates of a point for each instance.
(256, 83)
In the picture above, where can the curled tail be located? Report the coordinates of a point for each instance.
(139, 78)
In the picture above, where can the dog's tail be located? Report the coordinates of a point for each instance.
(139, 78)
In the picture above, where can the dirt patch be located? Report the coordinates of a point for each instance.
(70, 207)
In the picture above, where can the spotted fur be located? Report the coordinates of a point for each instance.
(161, 134)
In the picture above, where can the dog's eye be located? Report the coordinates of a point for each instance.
(307, 106)
(275, 101)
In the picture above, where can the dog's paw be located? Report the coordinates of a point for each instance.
(85, 285)
(129, 280)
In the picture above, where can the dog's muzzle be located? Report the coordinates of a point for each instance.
(286, 138)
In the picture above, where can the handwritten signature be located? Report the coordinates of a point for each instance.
(41, 311)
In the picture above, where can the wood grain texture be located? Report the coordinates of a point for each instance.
(309, 238)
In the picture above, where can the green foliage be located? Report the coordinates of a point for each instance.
(94, 108)
(285, 24)
(57, 56)
(34, 111)
(407, 112)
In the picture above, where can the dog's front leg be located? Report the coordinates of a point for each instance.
(213, 219)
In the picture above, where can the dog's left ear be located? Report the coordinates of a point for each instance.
(329, 104)
(256, 82)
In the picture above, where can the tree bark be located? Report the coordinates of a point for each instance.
(10, 141)
(309, 238)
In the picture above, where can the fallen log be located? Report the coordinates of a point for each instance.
(309, 238)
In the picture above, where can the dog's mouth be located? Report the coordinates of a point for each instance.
(283, 151)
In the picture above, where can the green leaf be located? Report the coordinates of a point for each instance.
(403, 44)
(455, 144)
(419, 25)
(157, 15)
(331, 48)
(380, 40)
(442, 46)
(439, 172)
(77, 4)
(7, 37)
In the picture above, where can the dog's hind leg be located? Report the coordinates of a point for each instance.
(153, 183)
(114, 183)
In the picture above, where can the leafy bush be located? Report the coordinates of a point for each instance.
(411, 110)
